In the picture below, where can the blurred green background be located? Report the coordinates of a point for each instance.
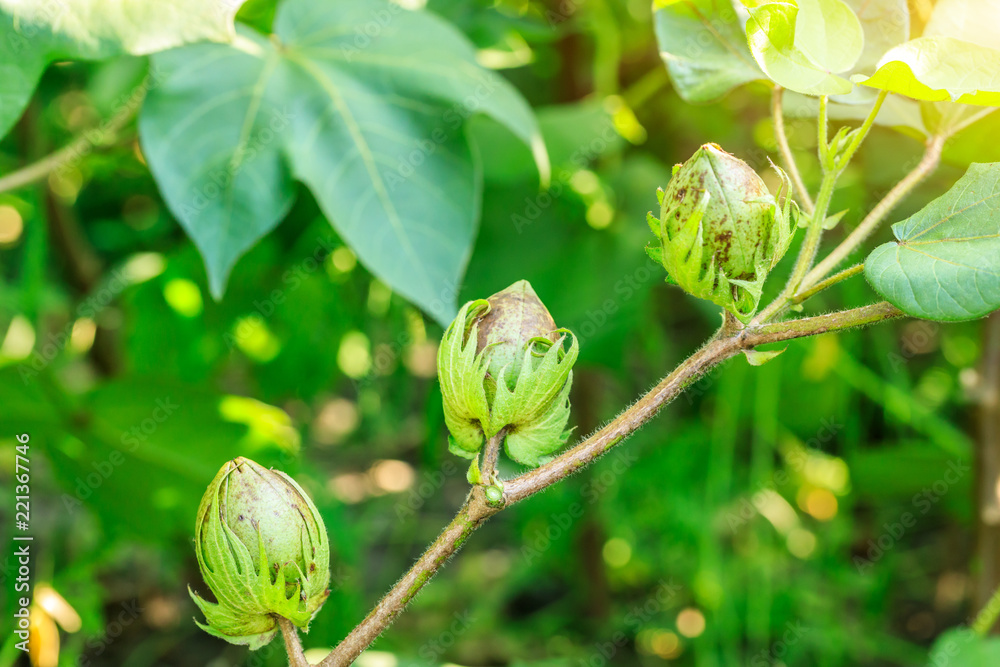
(755, 522)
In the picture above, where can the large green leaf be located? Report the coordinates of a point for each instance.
(945, 261)
(801, 46)
(940, 68)
(371, 125)
(37, 33)
(704, 47)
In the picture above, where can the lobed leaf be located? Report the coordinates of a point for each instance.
(372, 125)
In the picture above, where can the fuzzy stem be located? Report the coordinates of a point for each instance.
(829, 282)
(472, 514)
(476, 509)
(929, 162)
(491, 455)
(811, 326)
(296, 658)
(814, 230)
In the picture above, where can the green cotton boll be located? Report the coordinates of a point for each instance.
(505, 366)
(263, 551)
(720, 231)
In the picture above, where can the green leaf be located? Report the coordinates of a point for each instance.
(940, 68)
(829, 34)
(945, 263)
(885, 24)
(36, 34)
(761, 357)
(371, 125)
(704, 47)
(801, 46)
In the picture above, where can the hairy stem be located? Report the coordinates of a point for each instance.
(778, 115)
(292, 644)
(833, 166)
(829, 282)
(811, 326)
(929, 162)
(625, 424)
(476, 509)
(491, 455)
(473, 513)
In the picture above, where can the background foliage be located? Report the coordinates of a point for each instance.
(815, 511)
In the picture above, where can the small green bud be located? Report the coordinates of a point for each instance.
(263, 551)
(720, 231)
(504, 365)
(494, 494)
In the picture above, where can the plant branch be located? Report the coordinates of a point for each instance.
(778, 116)
(490, 457)
(625, 424)
(811, 326)
(833, 166)
(472, 514)
(476, 509)
(76, 149)
(296, 658)
(927, 164)
(829, 282)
